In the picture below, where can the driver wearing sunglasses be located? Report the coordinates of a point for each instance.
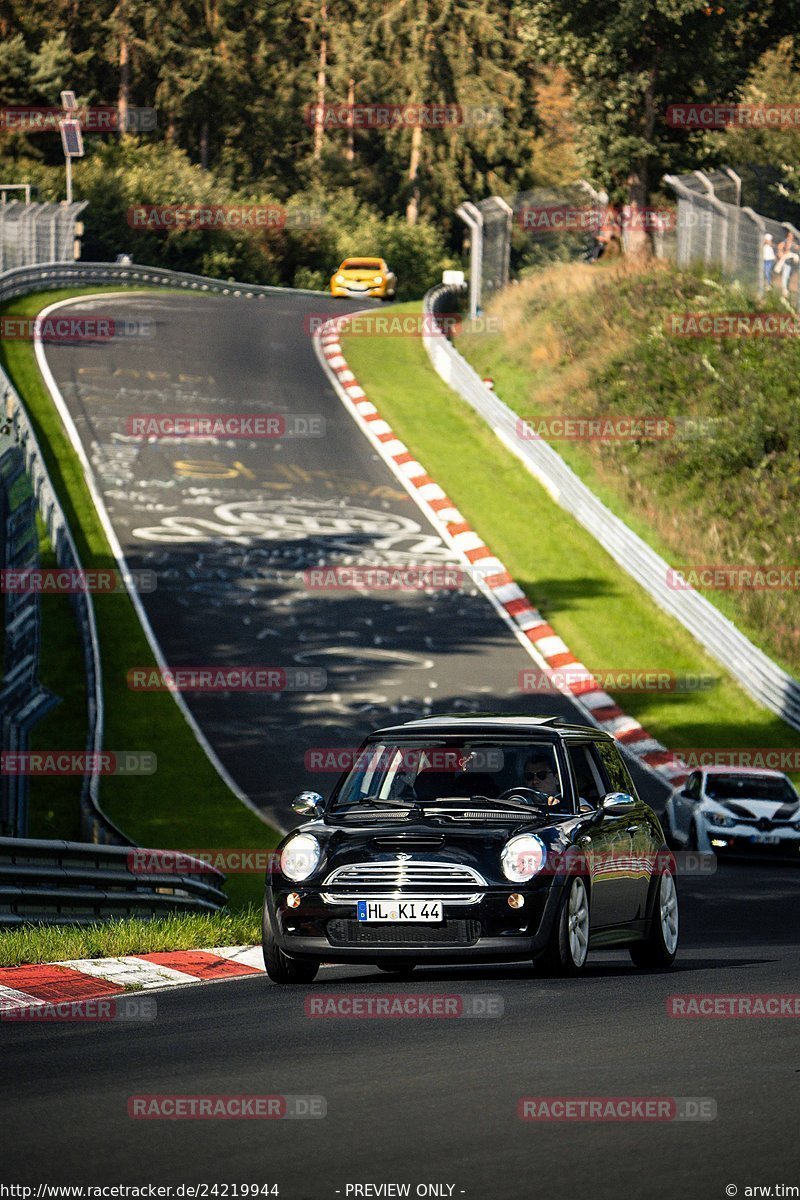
(540, 774)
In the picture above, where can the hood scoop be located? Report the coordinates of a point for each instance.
(409, 844)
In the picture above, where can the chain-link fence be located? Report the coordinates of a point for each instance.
(37, 233)
(715, 230)
(712, 227)
(497, 217)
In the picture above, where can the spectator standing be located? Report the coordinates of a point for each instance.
(788, 258)
(769, 259)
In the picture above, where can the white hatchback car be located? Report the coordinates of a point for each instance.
(735, 810)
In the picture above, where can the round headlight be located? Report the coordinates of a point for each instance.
(339, 279)
(523, 857)
(378, 279)
(299, 857)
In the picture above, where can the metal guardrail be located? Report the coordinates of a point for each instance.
(762, 678)
(23, 698)
(95, 825)
(24, 280)
(72, 883)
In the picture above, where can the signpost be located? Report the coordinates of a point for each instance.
(71, 136)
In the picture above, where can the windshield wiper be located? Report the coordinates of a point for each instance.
(375, 802)
(467, 802)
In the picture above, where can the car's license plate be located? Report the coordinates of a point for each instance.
(765, 839)
(400, 910)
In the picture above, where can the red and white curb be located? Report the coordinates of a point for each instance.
(537, 635)
(75, 980)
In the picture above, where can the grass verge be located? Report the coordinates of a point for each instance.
(57, 943)
(606, 619)
(185, 804)
(596, 341)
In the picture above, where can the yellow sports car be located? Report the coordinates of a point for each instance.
(364, 277)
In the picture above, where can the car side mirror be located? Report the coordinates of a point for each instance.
(618, 804)
(307, 802)
(686, 794)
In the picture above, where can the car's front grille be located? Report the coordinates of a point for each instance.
(453, 883)
(360, 933)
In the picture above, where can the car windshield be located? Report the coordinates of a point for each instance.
(751, 787)
(430, 773)
(361, 264)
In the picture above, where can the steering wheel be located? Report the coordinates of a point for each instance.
(531, 794)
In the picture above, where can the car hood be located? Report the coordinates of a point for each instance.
(359, 276)
(476, 844)
(755, 809)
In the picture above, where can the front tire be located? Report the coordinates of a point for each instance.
(661, 946)
(281, 967)
(568, 946)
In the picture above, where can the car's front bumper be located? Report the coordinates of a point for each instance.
(744, 839)
(378, 292)
(488, 929)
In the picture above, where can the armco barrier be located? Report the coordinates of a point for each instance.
(24, 280)
(95, 825)
(71, 883)
(762, 678)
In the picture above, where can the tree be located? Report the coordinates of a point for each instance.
(631, 59)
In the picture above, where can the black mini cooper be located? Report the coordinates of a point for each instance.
(463, 839)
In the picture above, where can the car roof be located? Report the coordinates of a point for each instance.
(551, 728)
(768, 771)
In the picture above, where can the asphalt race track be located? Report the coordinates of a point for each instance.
(230, 527)
(435, 1100)
(418, 1101)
